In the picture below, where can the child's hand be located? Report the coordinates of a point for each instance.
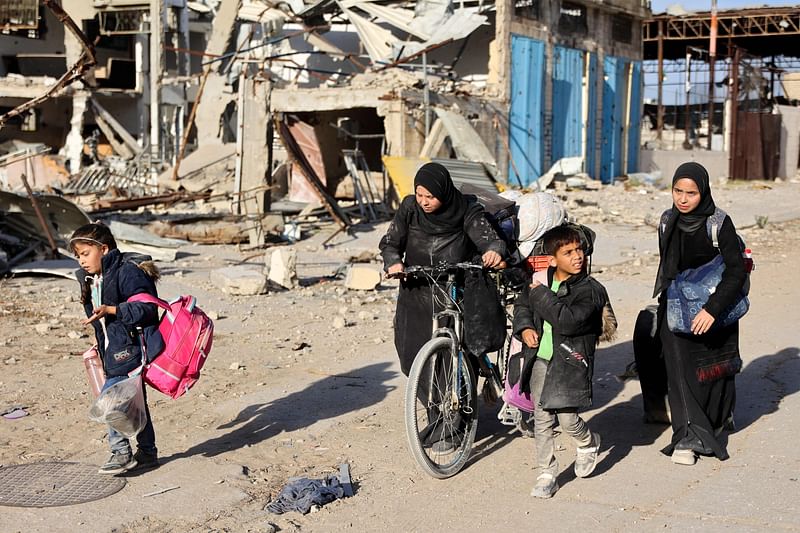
(539, 278)
(100, 312)
(530, 338)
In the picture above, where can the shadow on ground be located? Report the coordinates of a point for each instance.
(492, 436)
(327, 398)
(764, 383)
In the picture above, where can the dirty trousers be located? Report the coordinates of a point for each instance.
(545, 421)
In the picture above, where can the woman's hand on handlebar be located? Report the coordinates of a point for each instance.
(491, 259)
(395, 271)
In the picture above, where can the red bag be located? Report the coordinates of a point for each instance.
(187, 333)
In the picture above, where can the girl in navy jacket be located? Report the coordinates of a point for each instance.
(107, 282)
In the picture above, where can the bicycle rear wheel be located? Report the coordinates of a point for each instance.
(441, 410)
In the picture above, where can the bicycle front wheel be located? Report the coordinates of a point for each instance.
(441, 409)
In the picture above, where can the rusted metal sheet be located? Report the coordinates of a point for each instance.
(62, 216)
(302, 146)
(756, 153)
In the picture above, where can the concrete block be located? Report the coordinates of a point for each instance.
(239, 280)
(362, 277)
(283, 267)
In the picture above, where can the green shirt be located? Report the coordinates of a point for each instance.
(546, 342)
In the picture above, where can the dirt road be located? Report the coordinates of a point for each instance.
(286, 394)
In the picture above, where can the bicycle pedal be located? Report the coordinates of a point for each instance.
(509, 416)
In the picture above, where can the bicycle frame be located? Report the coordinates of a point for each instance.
(455, 334)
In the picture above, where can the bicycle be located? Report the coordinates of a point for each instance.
(441, 401)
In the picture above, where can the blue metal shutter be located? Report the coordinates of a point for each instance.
(635, 126)
(567, 103)
(527, 109)
(591, 120)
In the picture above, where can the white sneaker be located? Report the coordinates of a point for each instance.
(586, 459)
(546, 486)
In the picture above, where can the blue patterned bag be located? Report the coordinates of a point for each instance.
(689, 292)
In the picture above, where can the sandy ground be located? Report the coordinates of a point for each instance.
(286, 394)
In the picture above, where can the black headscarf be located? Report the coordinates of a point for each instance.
(694, 220)
(449, 218)
(686, 223)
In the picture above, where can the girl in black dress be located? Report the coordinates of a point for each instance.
(701, 366)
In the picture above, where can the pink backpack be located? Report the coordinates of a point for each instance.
(187, 333)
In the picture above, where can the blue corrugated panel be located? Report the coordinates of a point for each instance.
(613, 110)
(567, 103)
(526, 114)
(634, 129)
(591, 119)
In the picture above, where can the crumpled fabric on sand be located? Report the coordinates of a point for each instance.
(300, 494)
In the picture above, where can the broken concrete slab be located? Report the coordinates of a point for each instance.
(283, 267)
(567, 166)
(131, 238)
(241, 280)
(64, 268)
(362, 277)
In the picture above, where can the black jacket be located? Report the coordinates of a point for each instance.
(405, 242)
(576, 314)
(121, 280)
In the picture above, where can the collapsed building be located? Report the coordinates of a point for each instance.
(530, 77)
(322, 108)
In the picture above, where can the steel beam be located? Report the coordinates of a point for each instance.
(778, 21)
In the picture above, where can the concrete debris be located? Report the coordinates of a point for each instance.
(131, 238)
(242, 280)
(362, 277)
(283, 267)
(207, 229)
(62, 268)
(567, 166)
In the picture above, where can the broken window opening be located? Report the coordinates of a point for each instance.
(572, 19)
(123, 21)
(30, 121)
(622, 28)
(116, 67)
(19, 15)
(528, 9)
(30, 65)
(91, 28)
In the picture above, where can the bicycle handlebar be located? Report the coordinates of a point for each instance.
(441, 268)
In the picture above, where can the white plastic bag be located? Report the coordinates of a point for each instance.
(121, 406)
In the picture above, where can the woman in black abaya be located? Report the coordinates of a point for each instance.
(701, 366)
(435, 224)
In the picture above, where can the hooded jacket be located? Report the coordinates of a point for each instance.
(580, 314)
(118, 343)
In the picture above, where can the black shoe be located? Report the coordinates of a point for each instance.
(118, 463)
(145, 461)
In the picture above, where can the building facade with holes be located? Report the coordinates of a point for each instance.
(571, 73)
(133, 100)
